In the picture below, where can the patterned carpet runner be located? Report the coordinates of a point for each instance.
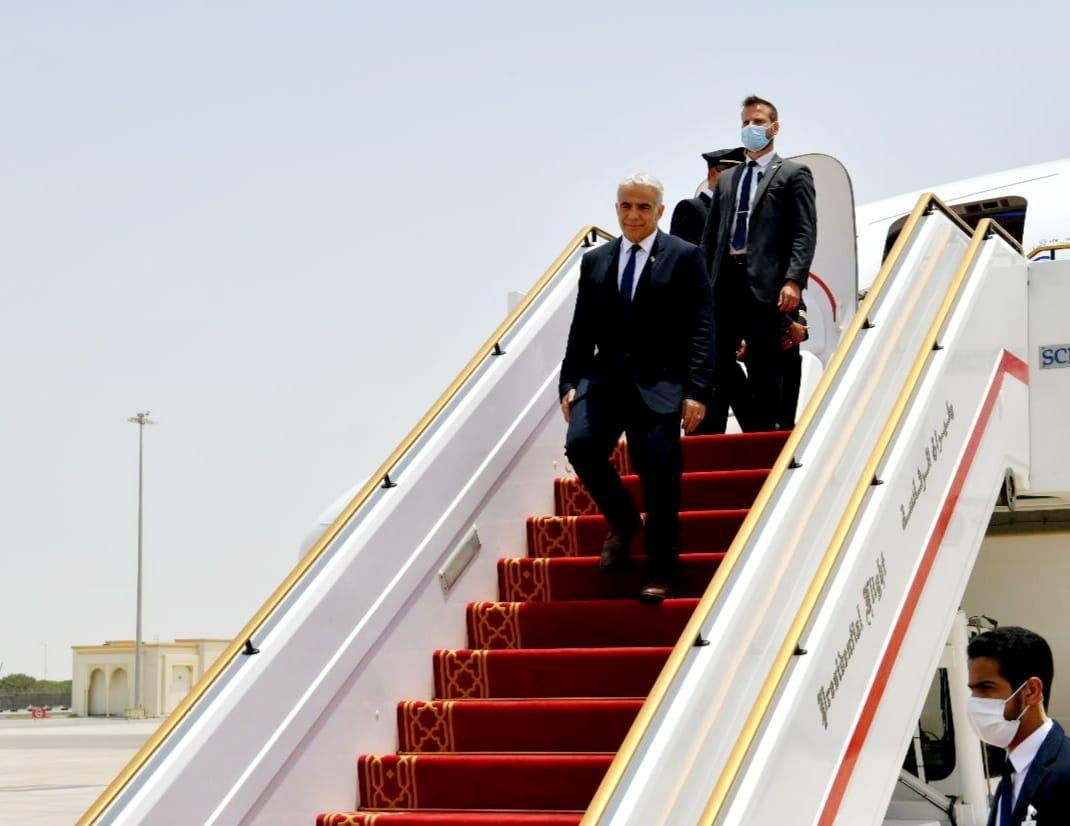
(526, 720)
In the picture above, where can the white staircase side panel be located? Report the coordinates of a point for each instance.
(898, 702)
(277, 737)
(822, 718)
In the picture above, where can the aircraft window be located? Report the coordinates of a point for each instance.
(1008, 212)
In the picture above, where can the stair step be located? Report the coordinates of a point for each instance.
(488, 781)
(485, 818)
(707, 531)
(449, 726)
(546, 580)
(562, 672)
(705, 490)
(730, 451)
(581, 624)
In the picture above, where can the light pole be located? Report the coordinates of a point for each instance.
(141, 419)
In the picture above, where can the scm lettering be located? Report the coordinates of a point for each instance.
(1055, 356)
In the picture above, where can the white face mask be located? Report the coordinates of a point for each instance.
(986, 718)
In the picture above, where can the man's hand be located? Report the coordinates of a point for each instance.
(694, 413)
(794, 335)
(742, 350)
(566, 404)
(790, 294)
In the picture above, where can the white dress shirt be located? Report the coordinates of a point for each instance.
(640, 259)
(759, 171)
(1022, 758)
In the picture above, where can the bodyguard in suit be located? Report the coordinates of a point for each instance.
(688, 221)
(759, 243)
(639, 360)
(1010, 673)
(689, 217)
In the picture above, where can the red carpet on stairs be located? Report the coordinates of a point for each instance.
(701, 490)
(557, 672)
(581, 624)
(448, 819)
(573, 725)
(709, 531)
(543, 580)
(525, 722)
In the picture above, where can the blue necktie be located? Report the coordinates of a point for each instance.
(1005, 795)
(739, 235)
(627, 278)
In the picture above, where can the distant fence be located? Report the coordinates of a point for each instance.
(18, 700)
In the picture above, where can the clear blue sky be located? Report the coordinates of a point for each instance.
(284, 227)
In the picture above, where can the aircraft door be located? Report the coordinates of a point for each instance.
(832, 296)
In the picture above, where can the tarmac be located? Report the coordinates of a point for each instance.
(51, 770)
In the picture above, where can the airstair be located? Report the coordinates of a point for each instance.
(823, 572)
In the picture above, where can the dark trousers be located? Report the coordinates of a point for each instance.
(597, 421)
(731, 390)
(742, 316)
(790, 379)
(736, 392)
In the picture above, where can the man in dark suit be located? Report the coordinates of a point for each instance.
(1010, 673)
(688, 221)
(639, 360)
(759, 243)
(689, 217)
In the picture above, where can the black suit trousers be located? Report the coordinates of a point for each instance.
(741, 315)
(731, 390)
(790, 381)
(597, 421)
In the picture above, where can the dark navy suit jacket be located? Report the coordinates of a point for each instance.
(663, 345)
(782, 234)
(689, 218)
(1047, 784)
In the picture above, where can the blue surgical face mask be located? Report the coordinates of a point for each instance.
(754, 138)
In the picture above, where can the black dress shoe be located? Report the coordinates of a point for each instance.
(614, 555)
(654, 593)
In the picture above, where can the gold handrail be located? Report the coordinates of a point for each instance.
(617, 769)
(1047, 248)
(996, 228)
(843, 530)
(235, 648)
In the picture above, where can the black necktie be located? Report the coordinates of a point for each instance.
(1005, 794)
(627, 278)
(739, 235)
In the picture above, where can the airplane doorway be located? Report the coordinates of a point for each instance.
(1007, 211)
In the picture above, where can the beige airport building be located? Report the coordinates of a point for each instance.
(103, 682)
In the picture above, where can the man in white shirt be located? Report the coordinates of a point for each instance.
(1010, 673)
